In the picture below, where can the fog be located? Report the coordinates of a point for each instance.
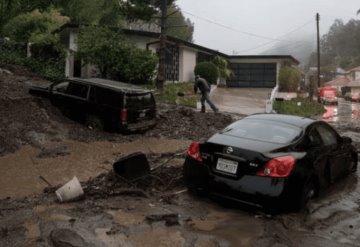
(253, 27)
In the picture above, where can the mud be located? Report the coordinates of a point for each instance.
(156, 210)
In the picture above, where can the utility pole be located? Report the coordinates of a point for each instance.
(318, 49)
(161, 76)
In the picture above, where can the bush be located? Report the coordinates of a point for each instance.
(208, 71)
(289, 79)
(49, 67)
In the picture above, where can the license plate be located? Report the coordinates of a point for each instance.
(228, 166)
(142, 114)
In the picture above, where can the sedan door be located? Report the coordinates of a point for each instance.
(338, 156)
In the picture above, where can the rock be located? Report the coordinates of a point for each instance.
(67, 238)
(5, 71)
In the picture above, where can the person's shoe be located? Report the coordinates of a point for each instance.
(216, 110)
(203, 109)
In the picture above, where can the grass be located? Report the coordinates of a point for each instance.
(299, 107)
(169, 94)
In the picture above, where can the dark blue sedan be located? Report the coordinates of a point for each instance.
(270, 160)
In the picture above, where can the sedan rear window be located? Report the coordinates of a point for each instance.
(267, 131)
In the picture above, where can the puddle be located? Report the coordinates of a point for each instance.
(229, 227)
(32, 233)
(127, 218)
(157, 237)
(111, 240)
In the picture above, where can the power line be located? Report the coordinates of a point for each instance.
(267, 43)
(233, 29)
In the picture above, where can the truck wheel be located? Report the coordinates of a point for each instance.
(94, 123)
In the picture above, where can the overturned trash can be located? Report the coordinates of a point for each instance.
(132, 166)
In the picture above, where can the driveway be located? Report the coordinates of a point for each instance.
(240, 100)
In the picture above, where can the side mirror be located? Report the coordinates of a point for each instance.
(346, 139)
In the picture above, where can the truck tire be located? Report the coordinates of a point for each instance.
(94, 122)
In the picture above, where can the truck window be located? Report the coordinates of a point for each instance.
(77, 89)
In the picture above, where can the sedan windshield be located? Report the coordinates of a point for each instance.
(262, 130)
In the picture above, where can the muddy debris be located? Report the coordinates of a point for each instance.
(170, 219)
(67, 238)
(34, 121)
(62, 150)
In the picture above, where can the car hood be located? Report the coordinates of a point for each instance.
(243, 143)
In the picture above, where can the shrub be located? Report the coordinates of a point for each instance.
(289, 79)
(208, 71)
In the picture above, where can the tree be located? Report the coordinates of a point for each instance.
(340, 46)
(289, 79)
(35, 27)
(178, 25)
(115, 55)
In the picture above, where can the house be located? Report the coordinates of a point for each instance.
(354, 73)
(182, 57)
(354, 89)
(339, 83)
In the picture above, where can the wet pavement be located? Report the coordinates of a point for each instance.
(243, 101)
(344, 112)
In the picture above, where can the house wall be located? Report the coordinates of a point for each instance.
(357, 75)
(187, 63)
(141, 42)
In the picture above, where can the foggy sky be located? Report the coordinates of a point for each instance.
(249, 27)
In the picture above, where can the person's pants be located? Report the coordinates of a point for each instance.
(206, 97)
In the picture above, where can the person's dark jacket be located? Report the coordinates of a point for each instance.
(203, 86)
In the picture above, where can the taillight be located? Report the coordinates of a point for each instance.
(278, 167)
(194, 151)
(124, 115)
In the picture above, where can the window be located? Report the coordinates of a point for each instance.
(76, 89)
(61, 87)
(106, 97)
(265, 131)
(136, 100)
(327, 135)
(314, 138)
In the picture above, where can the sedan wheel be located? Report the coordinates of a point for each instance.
(308, 193)
(353, 166)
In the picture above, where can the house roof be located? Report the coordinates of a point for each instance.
(355, 69)
(289, 57)
(205, 49)
(340, 81)
(193, 45)
(355, 83)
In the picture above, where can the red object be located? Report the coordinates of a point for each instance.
(327, 92)
(194, 151)
(124, 115)
(279, 167)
